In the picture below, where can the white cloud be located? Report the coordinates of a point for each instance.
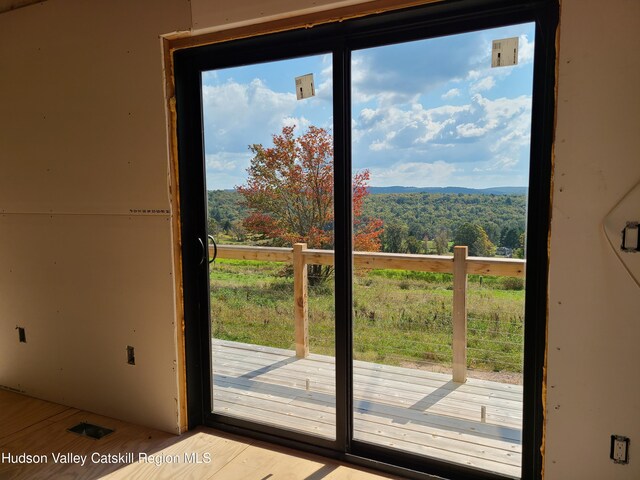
(379, 145)
(525, 50)
(225, 170)
(359, 74)
(401, 73)
(454, 92)
(473, 75)
(324, 82)
(498, 163)
(393, 127)
(413, 174)
(209, 76)
(236, 115)
(226, 161)
(487, 83)
(483, 77)
(482, 143)
(448, 110)
(367, 115)
(468, 130)
(301, 123)
(502, 109)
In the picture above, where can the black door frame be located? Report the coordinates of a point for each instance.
(432, 20)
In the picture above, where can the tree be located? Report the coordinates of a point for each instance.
(413, 244)
(442, 242)
(395, 233)
(212, 226)
(238, 230)
(519, 251)
(493, 231)
(289, 195)
(473, 236)
(510, 238)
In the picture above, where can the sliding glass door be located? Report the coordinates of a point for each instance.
(440, 168)
(269, 184)
(358, 204)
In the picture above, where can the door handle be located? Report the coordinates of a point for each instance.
(202, 251)
(215, 249)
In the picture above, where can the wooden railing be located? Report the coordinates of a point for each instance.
(460, 265)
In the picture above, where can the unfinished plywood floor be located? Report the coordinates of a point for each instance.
(35, 427)
(401, 408)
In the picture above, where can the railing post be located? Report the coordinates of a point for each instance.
(300, 297)
(460, 314)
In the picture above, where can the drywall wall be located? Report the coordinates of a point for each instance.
(224, 14)
(86, 261)
(594, 329)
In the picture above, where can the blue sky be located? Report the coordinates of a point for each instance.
(427, 113)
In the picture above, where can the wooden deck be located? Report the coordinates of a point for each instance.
(414, 410)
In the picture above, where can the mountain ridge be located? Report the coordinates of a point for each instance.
(453, 190)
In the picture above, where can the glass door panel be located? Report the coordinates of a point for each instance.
(269, 176)
(440, 148)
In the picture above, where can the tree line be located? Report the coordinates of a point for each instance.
(412, 222)
(432, 222)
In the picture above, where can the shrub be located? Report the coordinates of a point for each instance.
(512, 283)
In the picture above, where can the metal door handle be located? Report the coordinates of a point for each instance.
(215, 249)
(202, 251)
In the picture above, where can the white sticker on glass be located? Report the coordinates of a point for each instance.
(504, 52)
(304, 86)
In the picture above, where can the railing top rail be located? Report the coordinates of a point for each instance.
(511, 267)
(248, 252)
(508, 267)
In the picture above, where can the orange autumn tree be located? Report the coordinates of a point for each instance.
(289, 195)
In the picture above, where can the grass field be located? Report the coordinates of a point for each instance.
(400, 317)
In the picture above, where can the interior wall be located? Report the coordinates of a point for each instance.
(86, 261)
(223, 14)
(593, 333)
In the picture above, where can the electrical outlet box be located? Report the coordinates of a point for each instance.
(619, 449)
(131, 355)
(22, 336)
(630, 238)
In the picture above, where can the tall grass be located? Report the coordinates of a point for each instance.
(400, 317)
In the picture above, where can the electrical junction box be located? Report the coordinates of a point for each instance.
(504, 52)
(304, 86)
(621, 229)
(630, 238)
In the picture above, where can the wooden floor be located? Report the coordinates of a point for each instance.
(35, 427)
(414, 410)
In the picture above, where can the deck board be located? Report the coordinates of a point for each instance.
(414, 410)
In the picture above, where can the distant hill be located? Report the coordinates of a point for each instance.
(425, 213)
(413, 211)
(469, 191)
